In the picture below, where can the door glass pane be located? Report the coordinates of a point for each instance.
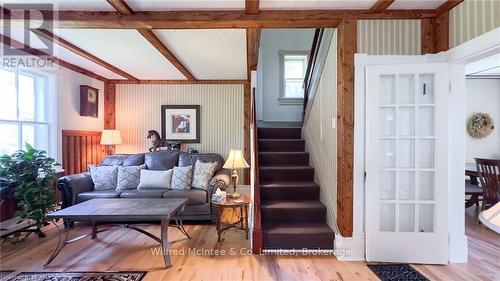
(387, 121)
(387, 153)
(406, 217)
(26, 103)
(406, 185)
(426, 218)
(426, 121)
(9, 141)
(387, 217)
(426, 153)
(406, 91)
(426, 186)
(426, 88)
(387, 89)
(8, 104)
(387, 185)
(406, 121)
(406, 153)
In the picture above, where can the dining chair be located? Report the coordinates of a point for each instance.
(489, 176)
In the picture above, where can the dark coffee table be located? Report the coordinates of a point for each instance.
(123, 211)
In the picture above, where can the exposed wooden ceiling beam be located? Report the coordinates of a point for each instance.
(77, 50)
(212, 19)
(446, 6)
(156, 42)
(252, 6)
(253, 41)
(381, 5)
(180, 82)
(124, 9)
(18, 45)
(121, 7)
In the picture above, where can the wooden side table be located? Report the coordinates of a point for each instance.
(227, 210)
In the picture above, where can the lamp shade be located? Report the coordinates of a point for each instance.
(111, 137)
(235, 160)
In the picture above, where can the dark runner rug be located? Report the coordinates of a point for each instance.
(396, 272)
(78, 276)
(5, 273)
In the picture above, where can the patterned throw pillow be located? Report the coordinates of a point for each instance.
(155, 179)
(104, 177)
(129, 177)
(203, 173)
(181, 178)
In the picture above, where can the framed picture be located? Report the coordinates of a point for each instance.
(89, 101)
(181, 123)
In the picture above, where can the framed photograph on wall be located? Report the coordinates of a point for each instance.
(89, 101)
(181, 123)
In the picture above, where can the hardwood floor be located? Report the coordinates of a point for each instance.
(127, 250)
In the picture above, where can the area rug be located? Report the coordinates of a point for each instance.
(396, 272)
(78, 276)
(4, 274)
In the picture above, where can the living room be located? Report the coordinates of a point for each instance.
(227, 140)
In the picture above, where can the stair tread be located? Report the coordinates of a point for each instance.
(285, 167)
(281, 140)
(285, 204)
(284, 152)
(296, 228)
(288, 184)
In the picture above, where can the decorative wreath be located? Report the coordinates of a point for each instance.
(480, 125)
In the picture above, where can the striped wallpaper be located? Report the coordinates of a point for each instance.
(473, 18)
(221, 108)
(389, 37)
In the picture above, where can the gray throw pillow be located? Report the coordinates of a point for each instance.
(129, 177)
(104, 177)
(155, 179)
(203, 173)
(181, 177)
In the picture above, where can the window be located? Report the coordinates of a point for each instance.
(293, 67)
(23, 111)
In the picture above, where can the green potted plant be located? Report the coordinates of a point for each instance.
(33, 172)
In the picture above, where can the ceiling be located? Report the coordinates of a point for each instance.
(208, 54)
(489, 66)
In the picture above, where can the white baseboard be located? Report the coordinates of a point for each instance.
(350, 248)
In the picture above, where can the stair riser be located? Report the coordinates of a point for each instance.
(302, 215)
(284, 159)
(322, 241)
(289, 193)
(279, 133)
(266, 175)
(281, 146)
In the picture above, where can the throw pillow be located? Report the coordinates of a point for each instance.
(155, 179)
(104, 177)
(203, 173)
(129, 177)
(181, 178)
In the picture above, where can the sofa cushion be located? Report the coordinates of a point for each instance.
(84, 196)
(113, 160)
(133, 160)
(161, 160)
(182, 177)
(189, 159)
(195, 196)
(104, 177)
(155, 179)
(144, 193)
(128, 177)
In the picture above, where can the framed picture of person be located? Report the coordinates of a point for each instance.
(180, 123)
(89, 101)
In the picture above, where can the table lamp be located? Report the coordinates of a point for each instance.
(110, 138)
(233, 162)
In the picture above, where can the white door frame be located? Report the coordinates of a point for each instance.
(477, 48)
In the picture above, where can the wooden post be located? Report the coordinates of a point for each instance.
(109, 106)
(246, 127)
(435, 34)
(347, 45)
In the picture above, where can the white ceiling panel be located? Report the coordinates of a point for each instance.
(315, 4)
(209, 53)
(62, 53)
(173, 5)
(416, 4)
(75, 5)
(126, 49)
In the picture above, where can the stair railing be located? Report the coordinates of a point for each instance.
(257, 240)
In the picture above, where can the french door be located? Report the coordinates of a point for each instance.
(406, 163)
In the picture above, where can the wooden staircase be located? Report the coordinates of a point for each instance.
(291, 214)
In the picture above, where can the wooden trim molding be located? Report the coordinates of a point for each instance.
(72, 48)
(18, 45)
(109, 105)
(252, 6)
(253, 41)
(346, 41)
(435, 34)
(114, 81)
(381, 5)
